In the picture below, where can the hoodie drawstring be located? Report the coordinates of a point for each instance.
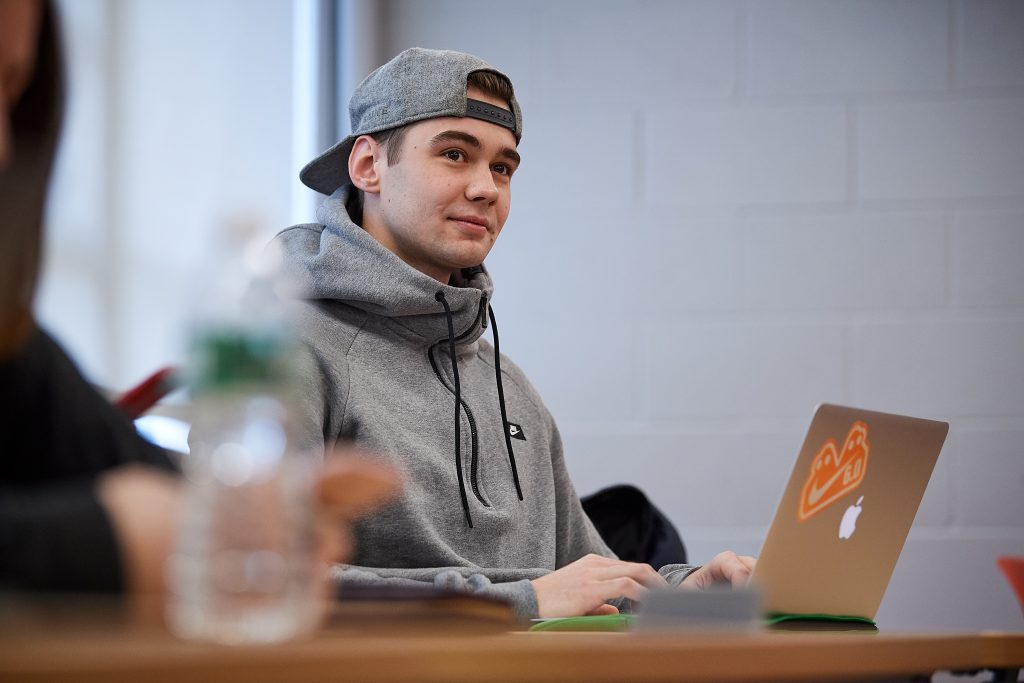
(501, 402)
(458, 406)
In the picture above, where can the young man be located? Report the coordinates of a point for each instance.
(396, 302)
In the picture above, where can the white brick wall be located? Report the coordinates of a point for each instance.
(843, 261)
(614, 53)
(988, 49)
(739, 155)
(988, 477)
(665, 462)
(738, 369)
(689, 262)
(840, 47)
(966, 368)
(731, 210)
(948, 149)
(988, 259)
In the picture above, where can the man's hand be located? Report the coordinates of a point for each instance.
(585, 586)
(727, 567)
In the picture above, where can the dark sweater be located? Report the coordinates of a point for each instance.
(57, 434)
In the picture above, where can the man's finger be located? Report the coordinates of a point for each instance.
(733, 569)
(603, 610)
(740, 577)
(639, 572)
(622, 586)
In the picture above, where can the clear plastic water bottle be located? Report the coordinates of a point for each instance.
(243, 570)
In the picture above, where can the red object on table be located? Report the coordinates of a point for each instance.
(146, 393)
(1013, 568)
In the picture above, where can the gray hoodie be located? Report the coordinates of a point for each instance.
(383, 378)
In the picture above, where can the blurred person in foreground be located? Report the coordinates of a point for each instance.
(86, 504)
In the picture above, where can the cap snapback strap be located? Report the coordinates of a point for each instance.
(488, 112)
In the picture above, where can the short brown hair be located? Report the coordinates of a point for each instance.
(490, 83)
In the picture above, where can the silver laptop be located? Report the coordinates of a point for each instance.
(846, 512)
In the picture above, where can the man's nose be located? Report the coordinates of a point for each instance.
(481, 185)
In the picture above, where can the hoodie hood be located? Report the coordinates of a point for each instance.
(337, 260)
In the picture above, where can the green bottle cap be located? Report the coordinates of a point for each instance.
(234, 359)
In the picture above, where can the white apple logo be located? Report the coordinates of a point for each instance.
(849, 523)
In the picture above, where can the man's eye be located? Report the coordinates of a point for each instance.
(454, 154)
(502, 169)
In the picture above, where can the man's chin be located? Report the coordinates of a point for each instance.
(470, 258)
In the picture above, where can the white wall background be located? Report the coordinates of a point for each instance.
(729, 211)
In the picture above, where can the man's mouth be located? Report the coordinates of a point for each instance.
(472, 221)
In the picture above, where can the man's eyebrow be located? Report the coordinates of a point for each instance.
(472, 141)
(455, 136)
(511, 155)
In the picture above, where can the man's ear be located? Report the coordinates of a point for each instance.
(362, 164)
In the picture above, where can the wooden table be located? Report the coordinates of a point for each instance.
(75, 651)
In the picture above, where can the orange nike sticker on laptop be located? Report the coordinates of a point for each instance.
(835, 473)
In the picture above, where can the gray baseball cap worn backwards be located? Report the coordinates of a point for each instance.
(418, 84)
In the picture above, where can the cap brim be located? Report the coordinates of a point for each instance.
(329, 171)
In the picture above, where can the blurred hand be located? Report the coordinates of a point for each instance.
(142, 504)
(585, 586)
(350, 485)
(724, 568)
